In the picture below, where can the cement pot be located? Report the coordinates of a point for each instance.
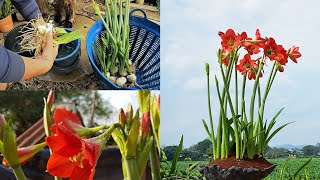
(232, 169)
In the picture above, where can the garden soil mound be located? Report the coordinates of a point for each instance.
(230, 168)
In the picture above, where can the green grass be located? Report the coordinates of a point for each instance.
(313, 169)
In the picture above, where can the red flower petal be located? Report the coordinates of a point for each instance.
(68, 118)
(92, 149)
(85, 173)
(60, 166)
(64, 142)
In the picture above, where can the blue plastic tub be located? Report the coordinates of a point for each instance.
(144, 51)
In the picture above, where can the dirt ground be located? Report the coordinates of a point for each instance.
(88, 80)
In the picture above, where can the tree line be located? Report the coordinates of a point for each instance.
(203, 151)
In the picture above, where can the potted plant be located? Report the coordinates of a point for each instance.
(6, 23)
(242, 134)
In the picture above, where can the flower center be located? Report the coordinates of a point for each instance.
(78, 159)
(270, 51)
(230, 42)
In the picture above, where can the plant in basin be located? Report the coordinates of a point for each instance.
(242, 133)
(113, 49)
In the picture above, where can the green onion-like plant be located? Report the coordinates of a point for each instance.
(113, 48)
(241, 126)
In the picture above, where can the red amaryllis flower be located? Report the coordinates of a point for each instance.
(229, 40)
(252, 48)
(294, 53)
(72, 156)
(247, 65)
(26, 153)
(275, 52)
(69, 119)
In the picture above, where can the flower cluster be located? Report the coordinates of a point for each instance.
(232, 42)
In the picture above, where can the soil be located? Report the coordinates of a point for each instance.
(257, 162)
(232, 169)
(88, 82)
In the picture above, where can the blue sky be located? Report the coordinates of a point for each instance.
(189, 39)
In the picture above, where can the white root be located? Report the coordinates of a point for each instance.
(121, 81)
(33, 35)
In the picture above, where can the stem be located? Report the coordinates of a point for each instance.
(98, 128)
(211, 121)
(154, 162)
(236, 128)
(244, 81)
(236, 84)
(18, 172)
(132, 168)
(262, 105)
(251, 142)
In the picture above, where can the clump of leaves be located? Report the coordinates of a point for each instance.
(169, 170)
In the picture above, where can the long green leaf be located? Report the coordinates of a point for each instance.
(207, 129)
(176, 156)
(283, 168)
(276, 131)
(300, 168)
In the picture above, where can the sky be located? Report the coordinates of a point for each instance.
(189, 38)
(121, 99)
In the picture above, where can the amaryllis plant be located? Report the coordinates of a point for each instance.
(239, 125)
(75, 149)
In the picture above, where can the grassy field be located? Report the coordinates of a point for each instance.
(312, 170)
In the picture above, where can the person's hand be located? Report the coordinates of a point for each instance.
(49, 51)
(43, 62)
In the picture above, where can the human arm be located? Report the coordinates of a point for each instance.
(14, 68)
(29, 9)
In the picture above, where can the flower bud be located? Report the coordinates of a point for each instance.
(26, 153)
(145, 124)
(122, 118)
(129, 114)
(2, 126)
(50, 99)
(207, 69)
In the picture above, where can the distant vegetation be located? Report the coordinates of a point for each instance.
(202, 152)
